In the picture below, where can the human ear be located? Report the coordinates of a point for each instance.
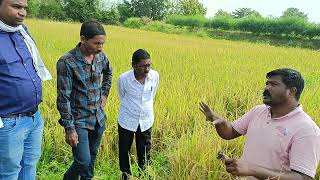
(82, 39)
(293, 91)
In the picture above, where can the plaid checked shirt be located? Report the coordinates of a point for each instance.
(79, 87)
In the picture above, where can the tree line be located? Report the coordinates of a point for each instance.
(291, 26)
(80, 10)
(177, 12)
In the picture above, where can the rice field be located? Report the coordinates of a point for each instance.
(229, 76)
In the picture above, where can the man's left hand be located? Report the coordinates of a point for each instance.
(103, 101)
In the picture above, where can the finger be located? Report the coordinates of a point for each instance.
(76, 139)
(230, 169)
(204, 105)
(235, 172)
(217, 121)
(201, 105)
(75, 143)
(202, 111)
(229, 161)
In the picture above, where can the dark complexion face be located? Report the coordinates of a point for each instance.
(13, 12)
(143, 67)
(94, 45)
(275, 91)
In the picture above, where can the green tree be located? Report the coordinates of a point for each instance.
(51, 9)
(188, 8)
(294, 12)
(33, 8)
(244, 12)
(125, 10)
(108, 16)
(81, 10)
(222, 13)
(155, 10)
(152, 9)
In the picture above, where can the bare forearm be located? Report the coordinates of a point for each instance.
(263, 173)
(224, 129)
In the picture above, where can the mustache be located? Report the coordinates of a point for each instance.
(266, 93)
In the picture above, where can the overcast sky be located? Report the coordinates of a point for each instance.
(265, 7)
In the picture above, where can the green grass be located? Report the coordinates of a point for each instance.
(230, 76)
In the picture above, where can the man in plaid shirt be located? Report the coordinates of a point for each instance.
(84, 80)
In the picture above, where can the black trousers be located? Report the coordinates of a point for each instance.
(143, 145)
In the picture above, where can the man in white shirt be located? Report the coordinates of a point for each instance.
(137, 89)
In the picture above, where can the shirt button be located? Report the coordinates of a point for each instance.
(33, 80)
(25, 64)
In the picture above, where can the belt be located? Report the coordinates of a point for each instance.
(29, 114)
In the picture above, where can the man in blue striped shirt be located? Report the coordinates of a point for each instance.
(21, 73)
(84, 80)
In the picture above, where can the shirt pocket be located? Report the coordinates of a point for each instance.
(11, 64)
(96, 77)
(147, 93)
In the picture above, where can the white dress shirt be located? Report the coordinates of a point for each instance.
(136, 100)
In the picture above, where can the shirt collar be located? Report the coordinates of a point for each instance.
(298, 109)
(78, 53)
(133, 78)
(80, 56)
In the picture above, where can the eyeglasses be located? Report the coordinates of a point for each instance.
(144, 66)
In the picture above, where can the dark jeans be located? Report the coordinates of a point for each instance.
(85, 154)
(143, 145)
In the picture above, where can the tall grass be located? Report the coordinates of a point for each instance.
(229, 76)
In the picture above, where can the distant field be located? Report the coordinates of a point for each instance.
(230, 76)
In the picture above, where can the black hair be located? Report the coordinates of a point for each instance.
(91, 28)
(291, 78)
(139, 55)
